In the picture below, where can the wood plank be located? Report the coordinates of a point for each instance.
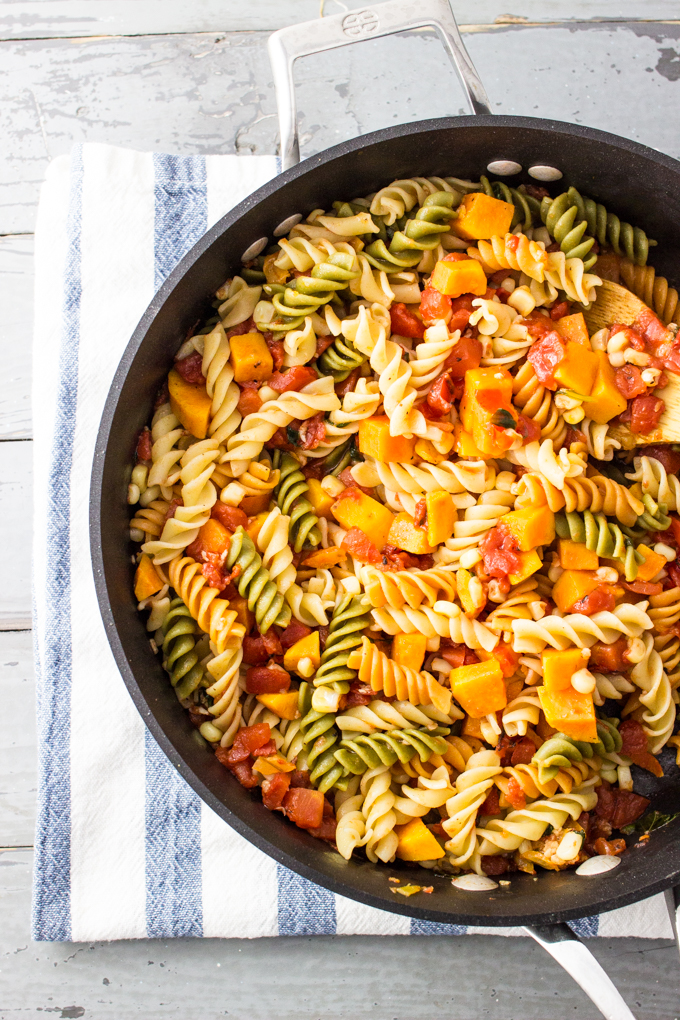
(158, 979)
(41, 19)
(213, 93)
(17, 739)
(15, 514)
(16, 301)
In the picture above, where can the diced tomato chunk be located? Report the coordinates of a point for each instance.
(545, 355)
(466, 354)
(434, 306)
(629, 381)
(262, 680)
(249, 401)
(212, 567)
(349, 384)
(537, 324)
(293, 632)
(293, 378)
(643, 587)
(230, 516)
(528, 428)
(245, 775)
(241, 328)
(491, 805)
(523, 751)
(322, 344)
(609, 658)
(265, 750)
(143, 450)
(304, 807)
(360, 546)
(499, 550)
(458, 655)
(494, 864)
(651, 327)
(326, 830)
(515, 795)
(599, 601)
(666, 455)
(405, 323)
(619, 807)
(359, 694)
(274, 789)
(300, 780)
(645, 414)
(633, 736)
(559, 310)
(248, 740)
(190, 368)
(441, 393)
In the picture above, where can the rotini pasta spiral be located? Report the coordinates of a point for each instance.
(444, 620)
(596, 493)
(166, 433)
(179, 650)
(602, 537)
(364, 752)
(536, 402)
(400, 197)
(600, 445)
(531, 822)
(654, 290)
(375, 668)
(319, 742)
(344, 635)
(385, 715)
(582, 631)
(291, 495)
(658, 713)
(560, 217)
(555, 467)
(421, 233)
(238, 301)
(514, 251)
(463, 806)
(610, 230)
(211, 612)
(403, 587)
(254, 583)
(652, 479)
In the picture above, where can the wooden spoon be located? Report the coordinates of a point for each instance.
(616, 304)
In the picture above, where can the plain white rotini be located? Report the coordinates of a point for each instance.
(238, 301)
(651, 478)
(471, 789)
(658, 713)
(541, 458)
(445, 620)
(407, 587)
(580, 631)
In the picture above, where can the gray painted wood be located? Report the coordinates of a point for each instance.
(40, 19)
(17, 740)
(16, 524)
(213, 93)
(16, 302)
(359, 978)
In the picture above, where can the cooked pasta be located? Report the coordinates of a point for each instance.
(396, 548)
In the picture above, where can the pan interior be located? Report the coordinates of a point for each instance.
(640, 185)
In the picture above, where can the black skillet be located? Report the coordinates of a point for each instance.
(641, 185)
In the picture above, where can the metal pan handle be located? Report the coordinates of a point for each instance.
(286, 45)
(564, 947)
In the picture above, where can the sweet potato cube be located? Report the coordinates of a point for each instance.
(250, 358)
(487, 391)
(405, 535)
(472, 728)
(578, 369)
(354, 509)
(479, 688)
(306, 648)
(190, 403)
(570, 712)
(472, 601)
(255, 524)
(573, 327)
(652, 564)
(560, 666)
(441, 516)
(375, 441)
(283, 705)
(416, 842)
(253, 505)
(506, 657)
(213, 537)
(575, 555)
(456, 278)
(147, 581)
(324, 557)
(409, 650)
(607, 402)
(482, 216)
(320, 499)
(532, 526)
(572, 586)
(530, 562)
(243, 614)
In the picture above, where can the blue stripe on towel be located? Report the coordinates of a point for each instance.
(173, 811)
(304, 908)
(585, 927)
(419, 927)
(52, 881)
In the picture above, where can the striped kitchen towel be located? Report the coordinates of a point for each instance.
(124, 848)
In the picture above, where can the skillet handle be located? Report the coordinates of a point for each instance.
(286, 45)
(564, 947)
(673, 904)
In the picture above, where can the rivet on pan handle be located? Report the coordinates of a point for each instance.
(286, 45)
(564, 947)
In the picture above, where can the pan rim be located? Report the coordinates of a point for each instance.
(317, 873)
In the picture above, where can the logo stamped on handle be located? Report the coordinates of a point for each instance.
(360, 24)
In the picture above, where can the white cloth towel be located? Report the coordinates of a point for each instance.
(124, 847)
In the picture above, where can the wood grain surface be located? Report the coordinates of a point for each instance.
(194, 77)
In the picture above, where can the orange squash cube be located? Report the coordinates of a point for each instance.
(472, 728)
(456, 278)
(255, 524)
(243, 614)
(405, 535)
(482, 216)
(530, 562)
(147, 581)
(409, 650)
(560, 666)
(250, 358)
(578, 369)
(321, 501)
(213, 537)
(464, 444)
(252, 505)
(653, 563)
(487, 391)
(532, 526)
(479, 688)
(572, 586)
(417, 843)
(607, 402)
(354, 509)
(375, 441)
(506, 657)
(441, 517)
(190, 403)
(575, 555)
(570, 712)
(283, 705)
(573, 327)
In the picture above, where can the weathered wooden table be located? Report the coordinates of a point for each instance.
(192, 76)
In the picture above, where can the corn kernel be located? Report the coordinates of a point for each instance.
(569, 847)
(574, 416)
(325, 700)
(133, 494)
